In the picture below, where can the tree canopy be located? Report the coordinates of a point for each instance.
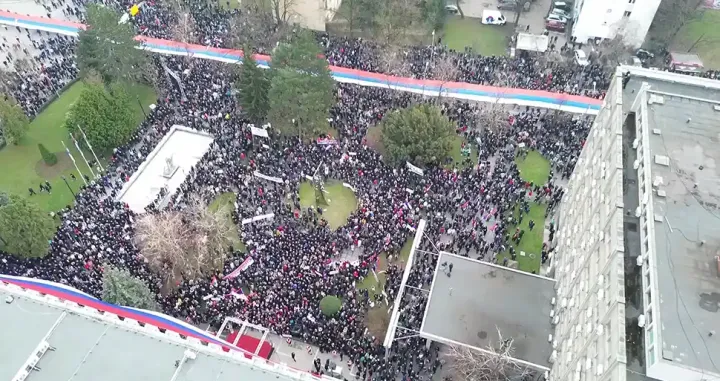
(330, 305)
(301, 88)
(109, 47)
(420, 134)
(121, 288)
(14, 124)
(106, 117)
(253, 86)
(25, 230)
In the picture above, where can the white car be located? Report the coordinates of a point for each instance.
(560, 12)
(556, 17)
(491, 17)
(452, 9)
(581, 58)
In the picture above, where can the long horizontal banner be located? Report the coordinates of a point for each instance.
(460, 90)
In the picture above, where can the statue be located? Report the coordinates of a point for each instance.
(170, 168)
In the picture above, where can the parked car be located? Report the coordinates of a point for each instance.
(581, 58)
(452, 9)
(560, 12)
(562, 5)
(507, 5)
(644, 54)
(555, 26)
(554, 17)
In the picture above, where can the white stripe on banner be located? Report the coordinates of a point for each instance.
(243, 266)
(269, 178)
(259, 132)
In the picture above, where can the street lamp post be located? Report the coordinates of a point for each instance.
(141, 106)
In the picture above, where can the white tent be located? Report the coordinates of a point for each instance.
(532, 42)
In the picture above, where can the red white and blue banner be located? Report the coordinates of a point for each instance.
(460, 90)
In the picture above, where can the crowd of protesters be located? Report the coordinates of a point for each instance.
(297, 259)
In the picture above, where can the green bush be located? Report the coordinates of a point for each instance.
(330, 305)
(48, 157)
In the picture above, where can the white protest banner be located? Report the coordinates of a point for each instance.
(414, 169)
(348, 186)
(258, 218)
(409, 190)
(259, 132)
(269, 178)
(243, 266)
(326, 141)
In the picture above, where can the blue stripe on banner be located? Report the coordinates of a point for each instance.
(99, 304)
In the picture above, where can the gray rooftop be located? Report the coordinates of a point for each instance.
(687, 240)
(86, 349)
(479, 298)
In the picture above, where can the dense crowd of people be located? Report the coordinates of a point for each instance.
(297, 259)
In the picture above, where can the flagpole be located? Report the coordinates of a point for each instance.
(74, 163)
(91, 149)
(83, 155)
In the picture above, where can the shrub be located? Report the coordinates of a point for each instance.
(330, 305)
(48, 157)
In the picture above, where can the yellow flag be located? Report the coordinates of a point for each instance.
(134, 10)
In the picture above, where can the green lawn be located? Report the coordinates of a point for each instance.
(704, 33)
(22, 165)
(531, 242)
(456, 152)
(341, 202)
(488, 40)
(228, 198)
(533, 168)
(229, 4)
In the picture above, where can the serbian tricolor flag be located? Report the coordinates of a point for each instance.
(238, 294)
(243, 266)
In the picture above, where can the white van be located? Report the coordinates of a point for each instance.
(491, 17)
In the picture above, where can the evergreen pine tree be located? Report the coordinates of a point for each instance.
(48, 157)
(253, 86)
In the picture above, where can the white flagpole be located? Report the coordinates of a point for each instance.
(91, 149)
(83, 155)
(74, 163)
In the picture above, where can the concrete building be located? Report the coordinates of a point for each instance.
(604, 19)
(636, 258)
(53, 332)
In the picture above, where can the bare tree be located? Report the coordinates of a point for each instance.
(494, 364)
(394, 19)
(613, 52)
(256, 27)
(186, 244)
(494, 116)
(444, 69)
(283, 11)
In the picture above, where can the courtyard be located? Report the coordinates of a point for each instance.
(341, 202)
(23, 167)
(468, 32)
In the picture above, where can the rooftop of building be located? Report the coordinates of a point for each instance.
(683, 128)
(478, 301)
(87, 346)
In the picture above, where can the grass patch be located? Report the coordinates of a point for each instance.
(701, 36)
(374, 139)
(531, 242)
(21, 163)
(456, 153)
(533, 168)
(228, 199)
(341, 202)
(229, 4)
(488, 40)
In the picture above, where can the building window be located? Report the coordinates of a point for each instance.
(627, 14)
(609, 10)
(631, 1)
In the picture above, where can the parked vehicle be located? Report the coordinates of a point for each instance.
(560, 12)
(452, 9)
(491, 17)
(581, 58)
(562, 5)
(644, 54)
(507, 5)
(555, 26)
(554, 17)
